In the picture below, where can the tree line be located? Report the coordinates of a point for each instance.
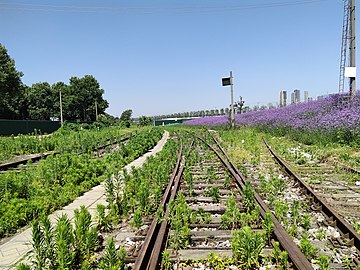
(216, 112)
(81, 98)
(202, 113)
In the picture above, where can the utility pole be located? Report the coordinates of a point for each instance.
(61, 112)
(232, 101)
(352, 86)
(225, 82)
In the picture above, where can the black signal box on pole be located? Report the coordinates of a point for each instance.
(226, 81)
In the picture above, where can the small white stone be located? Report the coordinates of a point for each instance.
(297, 241)
(337, 259)
(332, 232)
(129, 241)
(312, 232)
(314, 265)
(143, 227)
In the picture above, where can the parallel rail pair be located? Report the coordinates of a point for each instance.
(337, 221)
(150, 253)
(14, 164)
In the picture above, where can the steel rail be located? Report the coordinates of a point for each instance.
(345, 167)
(150, 252)
(8, 165)
(97, 148)
(334, 217)
(164, 228)
(111, 143)
(296, 256)
(154, 261)
(14, 164)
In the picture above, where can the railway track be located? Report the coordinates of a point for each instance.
(320, 203)
(35, 158)
(264, 216)
(214, 216)
(13, 165)
(199, 221)
(317, 228)
(335, 182)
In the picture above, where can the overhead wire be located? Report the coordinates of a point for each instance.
(151, 9)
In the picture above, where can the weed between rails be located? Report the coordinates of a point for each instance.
(288, 203)
(247, 241)
(58, 180)
(80, 246)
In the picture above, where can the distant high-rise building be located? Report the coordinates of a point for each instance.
(297, 96)
(306, 96)
(282, 98)
(292, 98)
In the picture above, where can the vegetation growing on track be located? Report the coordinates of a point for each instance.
(127, 202)
(59, 179)
(137, 194)
(141, 203)
(70, 138)
(250, 234)
(244, 145)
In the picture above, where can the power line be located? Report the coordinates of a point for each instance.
(151, 9)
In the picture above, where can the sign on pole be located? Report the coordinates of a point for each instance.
(226, 81)
(350, 72)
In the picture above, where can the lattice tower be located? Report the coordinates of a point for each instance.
(344, 45)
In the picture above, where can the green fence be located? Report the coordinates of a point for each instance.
(8, 127)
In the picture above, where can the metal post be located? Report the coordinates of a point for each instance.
(96, 111)
(352, 86)
(61, 112)
(232, 101)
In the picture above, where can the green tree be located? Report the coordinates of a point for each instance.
(145, 121)
(22, 103)
(10, 86)
(40, 101)
(80, 99)
(125, 118)
(106, 119)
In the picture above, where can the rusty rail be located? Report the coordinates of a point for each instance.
(14, 164)
(8, 165)
(296, 256)
(337, 220)
(150, 253)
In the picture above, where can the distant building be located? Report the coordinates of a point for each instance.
(297, 96)
(282, 98)
(306, 96)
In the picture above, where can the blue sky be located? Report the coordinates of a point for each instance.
(166, 56)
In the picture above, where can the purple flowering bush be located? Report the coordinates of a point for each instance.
(336, 118)
(208, 121)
